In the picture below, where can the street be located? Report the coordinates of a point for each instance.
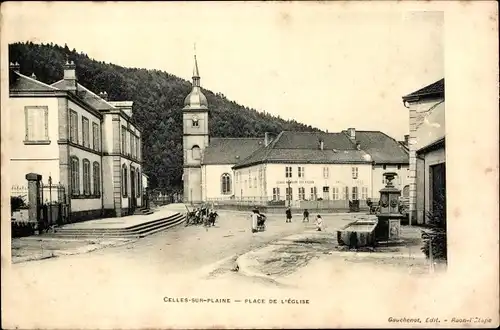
(178, 262)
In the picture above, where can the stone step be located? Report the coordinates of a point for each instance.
(118, 230)
(133, 232)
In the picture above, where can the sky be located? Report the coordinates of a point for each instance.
(329, 65)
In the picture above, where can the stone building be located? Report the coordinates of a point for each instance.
(427, 149)
(292, 166)
(83, 142)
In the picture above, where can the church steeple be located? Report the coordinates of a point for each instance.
(195, 100)
(196, 73)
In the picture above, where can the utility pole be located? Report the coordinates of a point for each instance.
(289, 193)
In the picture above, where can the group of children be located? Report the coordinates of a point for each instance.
(318, 222)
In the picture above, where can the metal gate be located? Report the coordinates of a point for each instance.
(53, 205)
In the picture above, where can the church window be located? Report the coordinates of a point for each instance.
(226, 184)
(195, 122)
(196, 152)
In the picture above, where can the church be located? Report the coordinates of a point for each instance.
(291, 168)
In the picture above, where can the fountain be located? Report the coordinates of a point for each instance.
(384, 230)
(389, 218)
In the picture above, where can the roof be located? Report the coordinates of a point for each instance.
(304, 148)
(88, 96)
(230, 150)
(382, 148)
(20, 82)
(432, 90)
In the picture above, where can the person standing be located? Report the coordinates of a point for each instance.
(288, 215)
(306, 215)
(319, 223)
(255, 218)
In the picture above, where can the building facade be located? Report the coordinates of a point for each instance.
(292, 167)
(84, 143)
(426, 148)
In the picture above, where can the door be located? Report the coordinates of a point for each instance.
(438, 191)
(133, 197)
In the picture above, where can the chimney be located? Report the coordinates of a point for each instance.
(407, 138)
(70, 76)
(15, 67)
(268, 138)
(103, 95)
(321, 144)
(352, 133)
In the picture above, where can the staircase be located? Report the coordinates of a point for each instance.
(137, 231)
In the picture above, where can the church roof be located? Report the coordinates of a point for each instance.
(230, 150)
(338, 148)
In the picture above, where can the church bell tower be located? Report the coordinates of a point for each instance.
(195, 138)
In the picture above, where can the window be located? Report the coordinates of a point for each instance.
(139, 183)
(195, 122)
(132, 181)
(276, 194)
(96, 137)
(138, 147)
(336, 193)
(289, 192)
(75, 176)
(225, 184)
(85, 132)
(250, 180)
(36, 120)
(354, 194)
(96, 168)
(301, 171)
(132, 146)
(314, 193)
(399, 167)
(384, 167)
(124, 140)
(364, 193)
(326, 193)
(196, 152)
(345, 193)
(302, 193)
(73, 126)
(288, 172)
(326, 172)
(255, 182)
(354, 172)
(124, 181)
(86, 177)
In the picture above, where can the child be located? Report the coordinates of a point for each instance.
(319, 223)
(306, 215)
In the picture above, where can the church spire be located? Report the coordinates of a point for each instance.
(196, 73)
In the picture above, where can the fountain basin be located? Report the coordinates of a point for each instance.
(357, 234)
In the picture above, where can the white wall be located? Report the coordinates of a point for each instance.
(107, 133)
(212, 185)
(340, 175)
(41, 159)
(107, 183)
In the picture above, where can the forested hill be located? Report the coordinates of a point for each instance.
(158, 100)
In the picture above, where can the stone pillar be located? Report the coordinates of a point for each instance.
(34, 197)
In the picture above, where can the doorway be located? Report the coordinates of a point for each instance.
(437, 195)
